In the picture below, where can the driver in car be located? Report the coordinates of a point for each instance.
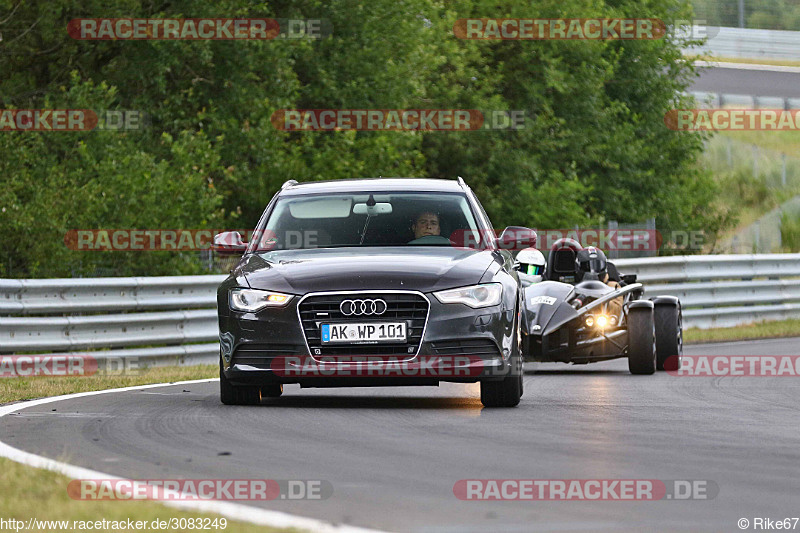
(425, 226)
(593, 260)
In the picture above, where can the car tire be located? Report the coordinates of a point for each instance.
(669, 336)
(508, 391)
(231, 394)
(504, 393)
(641, 341)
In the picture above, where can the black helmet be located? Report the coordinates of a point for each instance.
(592, 260)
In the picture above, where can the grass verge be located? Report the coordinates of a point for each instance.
(27, 492)
(28, 388)
(759, 330)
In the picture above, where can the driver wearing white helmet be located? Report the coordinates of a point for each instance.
(531, 264)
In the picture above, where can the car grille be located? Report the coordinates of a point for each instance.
(400, 306)
(256, 354)
(483, 348)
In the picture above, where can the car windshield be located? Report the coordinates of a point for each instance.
(367, 219)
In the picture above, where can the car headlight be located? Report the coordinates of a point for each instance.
(475, 296)
(251, 300)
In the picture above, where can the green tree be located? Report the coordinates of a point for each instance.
(594, 146)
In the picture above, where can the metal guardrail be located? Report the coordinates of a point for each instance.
(724, 290)
(748, 43)
(157, 320)
(173, 320)
(84, 295)
(721, 100)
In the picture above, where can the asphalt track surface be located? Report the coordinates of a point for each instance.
(394, 454)
(748, 82)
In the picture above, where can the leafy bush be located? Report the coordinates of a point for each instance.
(790, 232)
(594, 147)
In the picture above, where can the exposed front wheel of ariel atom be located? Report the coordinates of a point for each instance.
(641, 341)
(669, 336)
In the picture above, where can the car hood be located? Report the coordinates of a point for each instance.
(422, 269)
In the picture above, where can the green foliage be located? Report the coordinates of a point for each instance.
(594, 147)
(755, 174)
(790, 232)
(764, 14)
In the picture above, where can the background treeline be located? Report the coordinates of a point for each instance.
(761, 14)
(594, 148)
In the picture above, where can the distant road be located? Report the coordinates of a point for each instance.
(734, 80)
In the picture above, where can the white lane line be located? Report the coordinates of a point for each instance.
(748, 66)
(63, 415)
(165, 393)
(234, 511)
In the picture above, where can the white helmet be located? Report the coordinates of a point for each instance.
(531, 262)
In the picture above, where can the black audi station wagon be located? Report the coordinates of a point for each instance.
(370, 282)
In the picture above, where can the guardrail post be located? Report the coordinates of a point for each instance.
(756, 237)
(741, 13)
(783, 170)
(755, 161)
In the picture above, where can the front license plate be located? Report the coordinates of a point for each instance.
(364, 333)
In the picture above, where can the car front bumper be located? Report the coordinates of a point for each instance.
(459, 344)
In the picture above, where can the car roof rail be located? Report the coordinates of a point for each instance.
(462, 182)
(289, 183)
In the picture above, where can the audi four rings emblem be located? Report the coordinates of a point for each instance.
(362, 307)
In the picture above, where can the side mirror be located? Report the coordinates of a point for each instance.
(629, 279)
(516, 238)
(229, 243)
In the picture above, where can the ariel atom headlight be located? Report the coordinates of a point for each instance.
(475, 296)
(251, 300)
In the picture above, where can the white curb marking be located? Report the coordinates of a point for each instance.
(234, 511)
(748, 66)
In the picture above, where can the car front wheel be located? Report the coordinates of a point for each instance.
(231, 394)
(669, 336)
(641, 341)
(508, 391)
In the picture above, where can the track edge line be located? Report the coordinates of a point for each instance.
(234, 511)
